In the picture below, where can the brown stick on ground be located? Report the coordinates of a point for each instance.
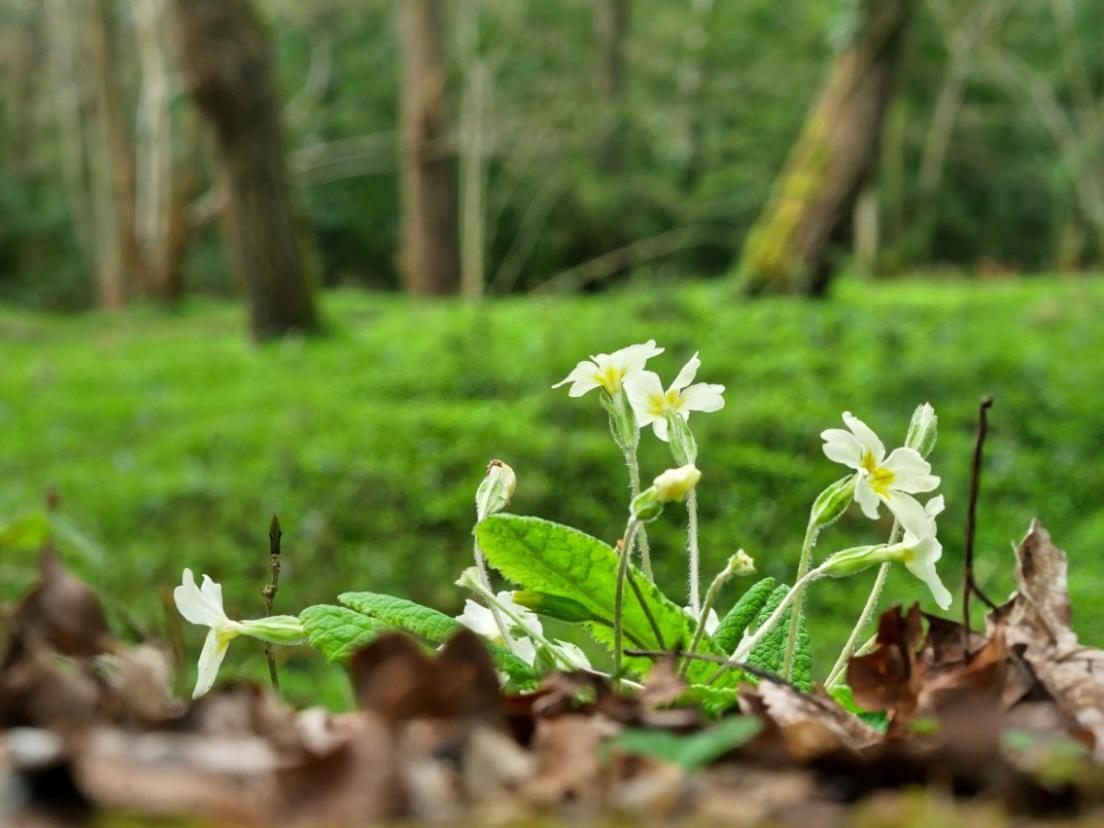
(269, 592)
(969, 585)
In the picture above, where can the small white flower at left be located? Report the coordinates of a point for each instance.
(481, 620)
(609, 371)
(203, 606)
(652, 404)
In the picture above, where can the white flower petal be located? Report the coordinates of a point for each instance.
(632, 358)
(212, 591)
(866, 436)
(659, 426)
(196, 605)
(866, 497)
(911, 472)
(642, 391)
(210, 658)
(934, 507)
(712, 620)
(910, 514)
(573, 653)
(704, 397)
(922, 565)
(843, 447)
(526, 650)
(687, 374)
(479, 619)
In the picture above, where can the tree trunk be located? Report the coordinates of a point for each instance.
(787, 251)
(473, 157)
(227, 63)
(430, 249)
(611, 19)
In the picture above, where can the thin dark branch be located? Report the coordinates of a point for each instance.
(269, 592)
(758, 672)
(969, 584)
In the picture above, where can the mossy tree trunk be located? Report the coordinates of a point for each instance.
(788, 249)
(227, 62)
(430, 242)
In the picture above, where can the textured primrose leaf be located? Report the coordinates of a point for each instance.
(337, 631)
(548, 557)
(692, 751)
(713, 702)
(432, 625)
(732, 626)
(772, 649)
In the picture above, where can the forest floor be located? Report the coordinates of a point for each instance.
(169, 440)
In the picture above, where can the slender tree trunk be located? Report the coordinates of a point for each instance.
(227, 62)
(473, 160)
(24, 66)
(154, 154)
(430, 247)
(611, 23)
(692, 85)
(116, 155)
(787, 251)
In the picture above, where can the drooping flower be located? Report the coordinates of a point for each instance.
(922, 553)
(203, 606)
(652, 404)
(890, 480)
(609, 371)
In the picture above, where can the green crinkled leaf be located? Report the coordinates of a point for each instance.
(712, 701)
(548, 557)
(877, 719)
(732, 626)
(771, 651)
(432, 625)
(692, 751)
(337, 631)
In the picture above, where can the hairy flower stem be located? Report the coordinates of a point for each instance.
(836, 678)
(619, 593)
(807, 545)
(867, 612)
(692, 549)
(634, 490)
(710, 598)
(749, 644)
(485, 579)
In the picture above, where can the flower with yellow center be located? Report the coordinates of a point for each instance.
(609, 371)
(879, 479)
(652, 404)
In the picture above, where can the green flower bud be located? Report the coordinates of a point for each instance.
(646, 506)
(741, 564)
(684, 447)
(832, 502)
(494, 493)
(674, 484)
(855, 560)
(923, 430)
(276, 629)
(554, 606)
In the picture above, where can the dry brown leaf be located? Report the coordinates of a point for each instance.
(1038, 618)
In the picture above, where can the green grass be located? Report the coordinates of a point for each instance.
(171, 439)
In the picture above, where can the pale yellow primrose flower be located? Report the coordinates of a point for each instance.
(609, 371)
(652, 404)
(890, 480)
(922, 553)
(481, 620)
(712, 621)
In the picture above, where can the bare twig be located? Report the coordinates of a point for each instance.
(758, 672)
(969, 585)
(269, 592)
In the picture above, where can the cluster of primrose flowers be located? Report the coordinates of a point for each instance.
(635, 398)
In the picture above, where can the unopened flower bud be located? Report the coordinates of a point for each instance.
(674, 484)
(684, 447)
(923, 430)
(832, 502)
(494, 493)
(741, 564)
(554, 606)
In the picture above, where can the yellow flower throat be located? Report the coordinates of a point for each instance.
(881, 478)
